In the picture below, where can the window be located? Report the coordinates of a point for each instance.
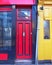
(46, 29)
(0, 32)
(5, 30)
(23, 14)
(7, 33)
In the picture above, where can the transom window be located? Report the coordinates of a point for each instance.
(23, 14)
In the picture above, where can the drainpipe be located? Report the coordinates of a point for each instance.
(36, 58)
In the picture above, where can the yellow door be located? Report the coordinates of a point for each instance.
(45, 33)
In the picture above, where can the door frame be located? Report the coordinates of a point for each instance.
(34, 29)
(24, 7)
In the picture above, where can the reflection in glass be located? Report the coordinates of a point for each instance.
(46, 29)
(6, 42)
(5, 29)
(7, 33)
(24, 14)
(1, 42)
(0, 34)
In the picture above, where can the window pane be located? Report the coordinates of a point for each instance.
(9, 23)
(0, 28)
(0, 22)
(24, 14)
(1, 15)
(1, 42)
(7, 33)
(46, 29)
(0, 34)
(6, 42)
(5, 30)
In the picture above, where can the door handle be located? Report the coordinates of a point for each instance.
(31, 33)
(23, 34)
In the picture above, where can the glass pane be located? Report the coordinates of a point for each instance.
(0, 24)
(7, 33)
(9, 23)
(9, 15)
(5, 30)
(24, 14)
(7, 42)
(0, 34)
(1, 15)
(1, 42)
(46, 29)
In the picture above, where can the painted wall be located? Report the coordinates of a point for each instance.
(26, 2)
(45, 1)
(44, 45)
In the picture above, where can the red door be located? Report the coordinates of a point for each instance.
(24, 40)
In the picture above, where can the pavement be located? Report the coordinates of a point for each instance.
(24, 63)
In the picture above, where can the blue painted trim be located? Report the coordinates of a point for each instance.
(34, 31)
(44, 61)
(14, 33)
(7, 62)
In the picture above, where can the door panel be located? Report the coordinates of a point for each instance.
(27, 45)
(20, 32)
(24, 45)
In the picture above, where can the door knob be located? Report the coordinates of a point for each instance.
(23, 34)
(31, 33)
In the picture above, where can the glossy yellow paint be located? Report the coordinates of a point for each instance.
(44, 45)
(44, 1)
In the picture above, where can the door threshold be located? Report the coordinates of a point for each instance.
(23, 60)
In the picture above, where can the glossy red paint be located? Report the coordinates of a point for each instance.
(5, 9)
(23, 40)
(17, 2)
(3, 56)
